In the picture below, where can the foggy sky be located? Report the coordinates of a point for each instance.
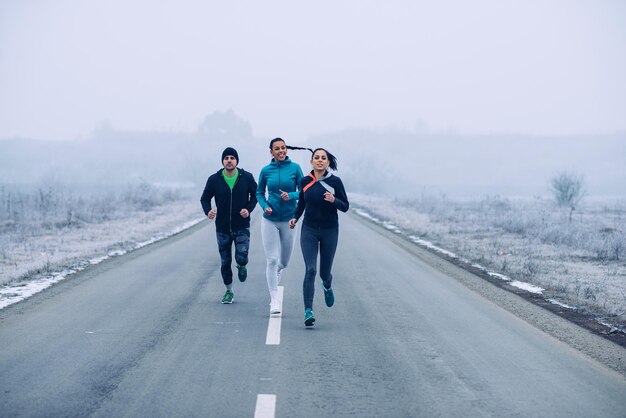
(295, 68)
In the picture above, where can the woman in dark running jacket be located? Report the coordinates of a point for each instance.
(321, 195)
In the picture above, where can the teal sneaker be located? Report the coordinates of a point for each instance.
(329, 296)
(309, 318)
(228, 297)
(242, 273)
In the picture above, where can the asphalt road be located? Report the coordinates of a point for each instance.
(145, 335)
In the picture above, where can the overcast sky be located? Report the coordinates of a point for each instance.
(297, 68)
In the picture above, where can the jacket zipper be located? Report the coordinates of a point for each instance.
(231, 204)
(280, 201)
(230, 212)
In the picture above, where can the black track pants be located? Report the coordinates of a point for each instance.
(225, 241)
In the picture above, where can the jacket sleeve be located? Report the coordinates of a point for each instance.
(207, 195)
(260, 190)
(296, 193)
(252, 190)
(341, 199)
(301, 204)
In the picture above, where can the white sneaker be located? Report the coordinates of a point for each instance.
(274, 308)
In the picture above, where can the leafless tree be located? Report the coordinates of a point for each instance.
(568, 191)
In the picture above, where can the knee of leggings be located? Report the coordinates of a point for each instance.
(310, 271)
(272, 262)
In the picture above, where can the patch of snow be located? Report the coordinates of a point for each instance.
(98, 260)
(478, 266)
(390, 226)
(366, 215)
(432, 246)
(556, 302)
(527, 287)
(499, 276)
(612, 328)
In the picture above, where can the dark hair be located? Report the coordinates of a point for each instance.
(331, 158)
(290, 147)
(275, 140)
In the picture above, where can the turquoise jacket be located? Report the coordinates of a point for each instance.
(276, 176)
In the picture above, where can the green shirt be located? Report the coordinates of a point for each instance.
(230, 180)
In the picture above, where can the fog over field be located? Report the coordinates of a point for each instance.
(387, 162)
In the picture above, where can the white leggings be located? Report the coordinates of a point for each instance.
(278, 240)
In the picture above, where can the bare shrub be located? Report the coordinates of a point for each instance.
(531, 267)
(567, 189)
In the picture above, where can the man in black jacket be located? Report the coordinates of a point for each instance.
(234, 190)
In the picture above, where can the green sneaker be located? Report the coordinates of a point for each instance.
(228, 297)
(242, 273)
(309, 318)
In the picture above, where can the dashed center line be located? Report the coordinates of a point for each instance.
(273, 327)
(266, 403)
(265, 406)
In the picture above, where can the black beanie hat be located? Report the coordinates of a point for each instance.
(230, 151)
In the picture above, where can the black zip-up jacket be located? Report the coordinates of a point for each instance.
(318, 213)
(230, 202)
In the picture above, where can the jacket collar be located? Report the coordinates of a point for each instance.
(274, 162)
(326, 175)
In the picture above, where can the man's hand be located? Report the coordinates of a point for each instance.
(244, 213)
(212, 214)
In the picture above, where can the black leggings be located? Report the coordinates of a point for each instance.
(312, 239)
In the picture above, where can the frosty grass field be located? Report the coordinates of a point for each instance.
(580, 265)
(48, 234)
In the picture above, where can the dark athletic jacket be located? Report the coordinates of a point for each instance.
(229, 203)
(319, 213)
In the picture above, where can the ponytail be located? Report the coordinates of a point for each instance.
(290, 147)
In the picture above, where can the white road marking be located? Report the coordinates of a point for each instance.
(273, 327)
(265, 406)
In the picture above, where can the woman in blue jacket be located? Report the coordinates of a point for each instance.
(280, 179)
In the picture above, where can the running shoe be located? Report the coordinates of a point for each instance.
(228, 297)
(242, 273)
(274, 307)
(329, 296)
(309, 318)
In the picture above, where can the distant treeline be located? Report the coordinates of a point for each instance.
(387, 162)
(402, 163)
